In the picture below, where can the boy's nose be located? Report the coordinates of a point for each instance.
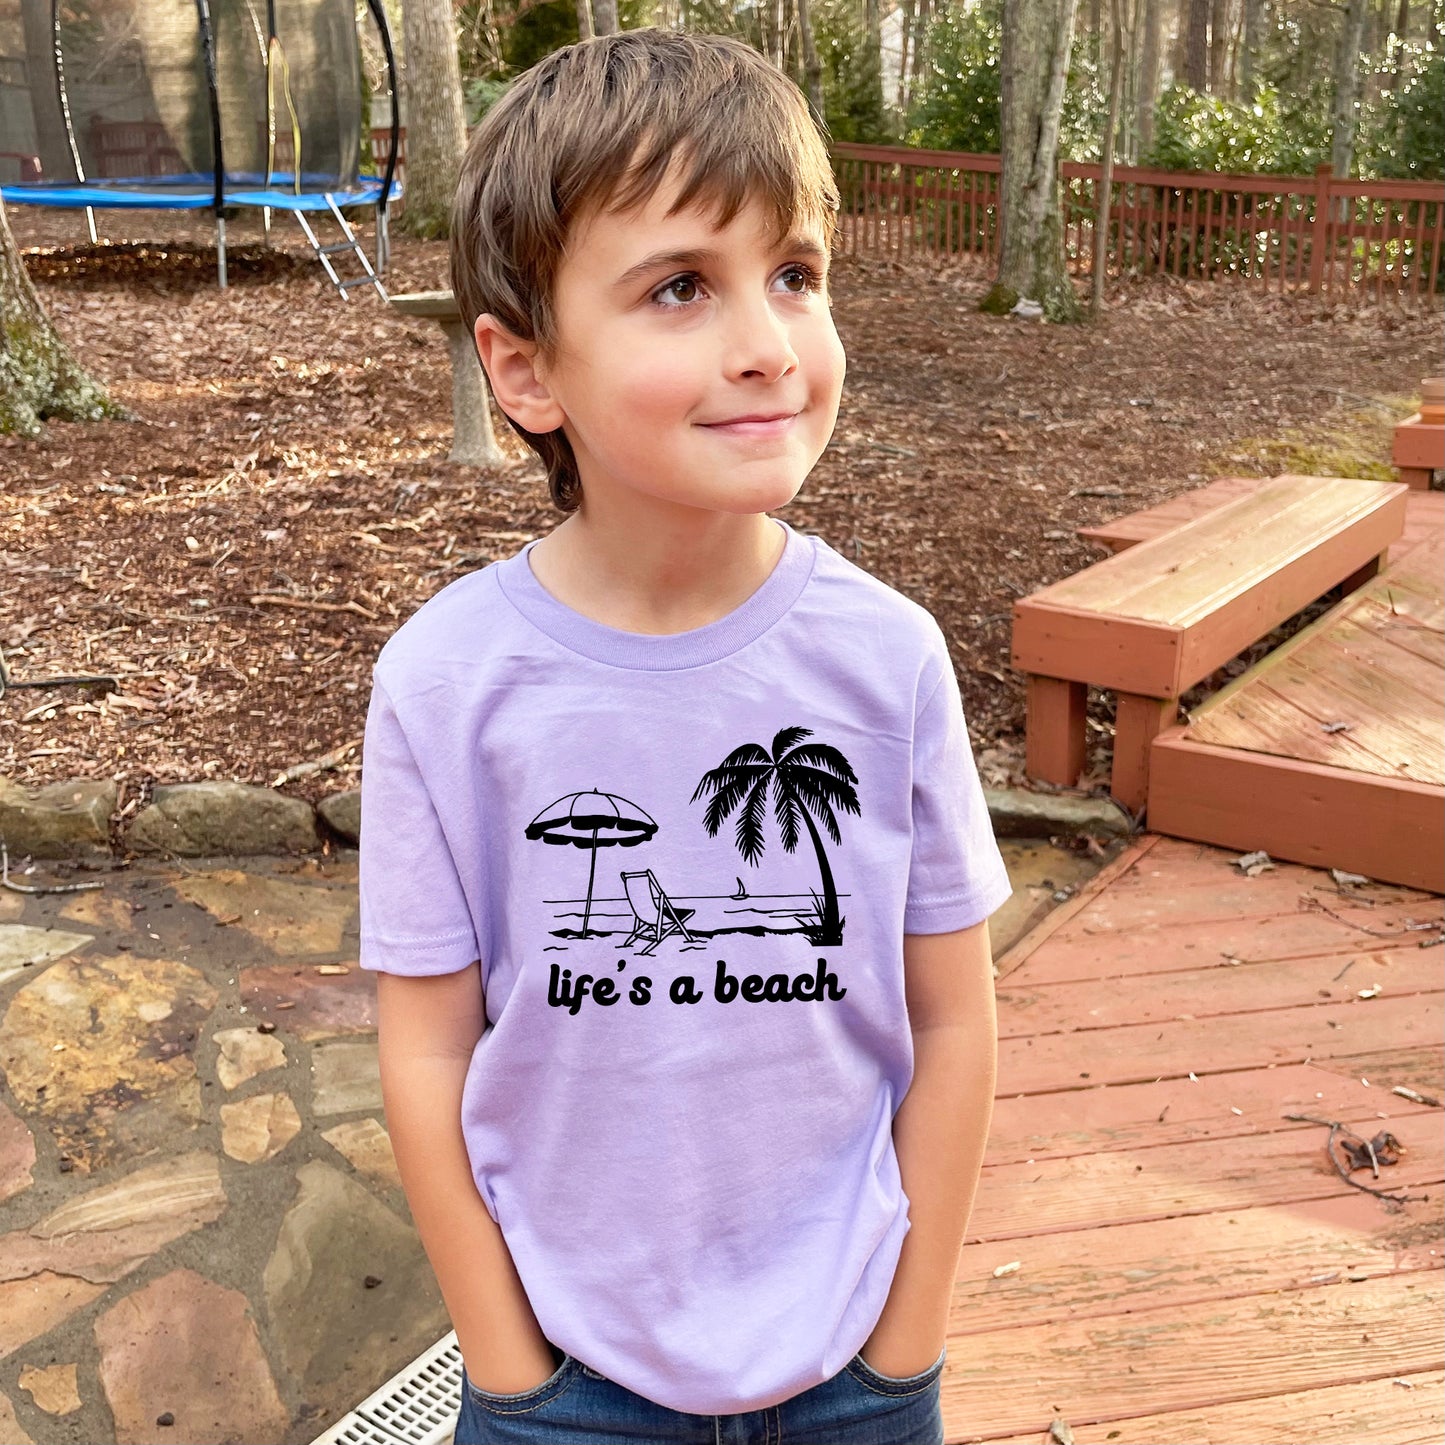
(759, 344)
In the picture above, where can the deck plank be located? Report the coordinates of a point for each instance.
(1187, 994)
(1389, 1410)
(1092, 1191)
(1203, 1355)
(1178, 1111)
(1139, 1053)
(1189, 1259)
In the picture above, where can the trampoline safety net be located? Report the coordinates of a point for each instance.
(202, 102)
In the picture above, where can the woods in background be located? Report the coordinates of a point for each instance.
(1241, 85)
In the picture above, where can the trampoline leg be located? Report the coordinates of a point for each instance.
(90, 221)
(383, 241)
(221, 252)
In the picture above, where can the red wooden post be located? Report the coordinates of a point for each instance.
(1054, 730)
(1137, 722)
(1320, 234)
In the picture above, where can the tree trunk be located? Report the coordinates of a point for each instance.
(1346, 87)
(874, 24)
(39, 378)
(922, 21)
(1106, 156)
(1249, 52)
(1149, 74)
(1218, 44)
(1033, 67)
(1196, 44)
(56, 163)
(1402, 24)
(436, 128)
(584, 20)
(905, 36)
(812, 66)
(604, 17)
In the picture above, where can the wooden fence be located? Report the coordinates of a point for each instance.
(1280, 233)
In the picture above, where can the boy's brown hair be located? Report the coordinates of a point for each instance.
(598, 125)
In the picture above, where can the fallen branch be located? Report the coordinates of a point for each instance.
(318, 765)
(43, 888)
(282, 599)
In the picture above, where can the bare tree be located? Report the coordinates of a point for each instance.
(1249, 48)
(604, 17)
(1033, 66)
(1346, 86)
(812, 66)
(1218, 43)
(584, 20)
(1102, 204)
(436, 127)
(39, 377)
(905, 39)
(1195, 23)
(1149, 73)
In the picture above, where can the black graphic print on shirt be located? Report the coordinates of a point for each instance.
(808, 783)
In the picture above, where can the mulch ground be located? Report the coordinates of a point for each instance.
(236, 555)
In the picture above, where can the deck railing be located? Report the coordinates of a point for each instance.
(1280, 233)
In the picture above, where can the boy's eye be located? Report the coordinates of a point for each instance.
(679, 291)
(800, 279)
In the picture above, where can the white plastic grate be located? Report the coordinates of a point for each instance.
(417, 1406)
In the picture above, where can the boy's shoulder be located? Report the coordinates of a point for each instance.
(448, 629)
(848, 595)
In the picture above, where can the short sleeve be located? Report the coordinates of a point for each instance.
(956, 875)
(414, 915)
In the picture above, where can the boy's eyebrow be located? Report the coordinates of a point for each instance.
(797, 245)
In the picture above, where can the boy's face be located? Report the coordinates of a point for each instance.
(695, 365)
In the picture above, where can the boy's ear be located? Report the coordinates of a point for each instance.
(512, 367)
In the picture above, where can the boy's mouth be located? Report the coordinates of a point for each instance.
(756, 424)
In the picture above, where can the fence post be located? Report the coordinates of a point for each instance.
(1320, 231)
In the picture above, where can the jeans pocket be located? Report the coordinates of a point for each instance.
(881, 1384)
(524, 1400)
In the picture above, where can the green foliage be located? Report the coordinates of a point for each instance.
(1195, 132)
(481, 95)
(1408, 137)
(957, 105)
(852, 90)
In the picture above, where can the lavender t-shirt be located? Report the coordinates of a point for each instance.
(687, 864)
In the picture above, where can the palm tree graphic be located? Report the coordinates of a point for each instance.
(807, 779)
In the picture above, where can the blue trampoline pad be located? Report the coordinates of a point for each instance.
(191, 193)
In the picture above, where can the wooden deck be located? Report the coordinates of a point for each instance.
(1256, 767)
(1190, 1270)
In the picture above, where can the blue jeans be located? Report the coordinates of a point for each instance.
(577, 1406)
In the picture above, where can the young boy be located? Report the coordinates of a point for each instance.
(676, 867)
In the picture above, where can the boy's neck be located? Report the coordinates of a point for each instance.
(671, 571)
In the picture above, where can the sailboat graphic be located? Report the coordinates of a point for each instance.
(742, 891)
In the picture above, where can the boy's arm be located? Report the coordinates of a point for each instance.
(428, 1029)
(939, 1133)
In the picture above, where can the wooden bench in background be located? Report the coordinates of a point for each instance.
(1419, 449)
(1161, 616)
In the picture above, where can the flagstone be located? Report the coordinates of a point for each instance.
(246, 1053)
(292, 919)
(259, 1127)
(336, 1338)
(189, 1348)
(12, 906)
(9, 1426)
(346, 1078)
(321, 1005)
(366, 1146)
(17, 1153)
(22, 945)
(78, 1049)
(101, 911)
(103, 1234)
(31, 1307)
(52, 1387)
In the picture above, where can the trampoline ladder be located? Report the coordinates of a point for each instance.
(325, 253)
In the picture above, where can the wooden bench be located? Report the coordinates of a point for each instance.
(1154, 620)
(1120, 533)
(1419, 449)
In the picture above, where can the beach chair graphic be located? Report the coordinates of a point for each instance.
(654, 914)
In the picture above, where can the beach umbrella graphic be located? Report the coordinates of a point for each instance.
(592, 820)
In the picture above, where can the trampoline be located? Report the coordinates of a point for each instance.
(195, 105)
